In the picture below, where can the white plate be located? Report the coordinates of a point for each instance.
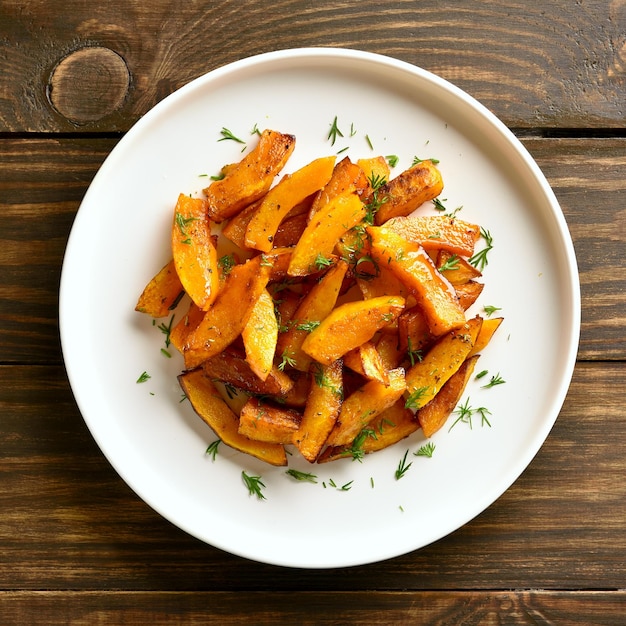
(120, 239)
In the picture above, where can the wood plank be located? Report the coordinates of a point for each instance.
(516, 608)
(43, 180)
(67, 521)
(552, 64)
(588, 179)
(41, 185)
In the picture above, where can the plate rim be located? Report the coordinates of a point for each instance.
(289, 55)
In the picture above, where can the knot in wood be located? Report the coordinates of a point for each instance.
(89, 84)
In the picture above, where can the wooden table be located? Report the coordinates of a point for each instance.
(76, 545)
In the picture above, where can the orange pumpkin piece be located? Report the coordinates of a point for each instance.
(437, 232)
(250, 179)
(260, 335)
(468, 293)
(263, 421)
(315, 306)
(347, 177)
(487, 330)
(226, 318)
(321, 411)
(161, 293)
(209, 405)
(376, 169)
(425, 379)
(434, 415)
(195, 256)
(279, 200)
(183, 328)
(230, 367)
(366, 360)
(386, 429)
(415, 269)
(408, 191)
(363, 405)
(456, 269)
(350, 325)
(322, 233)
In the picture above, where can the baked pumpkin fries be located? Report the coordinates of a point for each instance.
(337, 324)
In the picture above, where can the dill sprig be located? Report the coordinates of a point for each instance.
(212, 449)
(403, 467)
(426, 450)
(227, 135)
(479, 260)
(254, 485)
(302, 476)
(334, 132)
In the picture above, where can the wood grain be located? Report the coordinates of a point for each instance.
(549, 64)
(514, 608)
(69, 520)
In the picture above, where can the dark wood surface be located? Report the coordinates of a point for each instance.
(76, 545)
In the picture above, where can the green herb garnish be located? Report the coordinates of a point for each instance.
(286, 359)
(167, 331)
(334, 132)
(413, 401)
(426, 450)
(308, 326)
(321, 262)
(490, 310)
(479, 260)
(254, 485)
(228, 135)
(226, 263)
(452, 263)
(212, 449)
(402, 467)
(302, 476)
(144, 377)
(495, 380)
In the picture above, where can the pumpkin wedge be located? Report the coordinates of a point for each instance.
(195, 256)
(209, 405)
(409, 190)
(437, 232)
(267, 422)
(315, 306)
(434, 415)
(260, 335)
(362, 406)
(250, 179)
(227, 317)
(322, 233)
(415, 269)
(350, 325)
(161, 293)
(321, 411)
(427, 377)
(279, 200)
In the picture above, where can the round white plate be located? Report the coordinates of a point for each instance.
(120, 239)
